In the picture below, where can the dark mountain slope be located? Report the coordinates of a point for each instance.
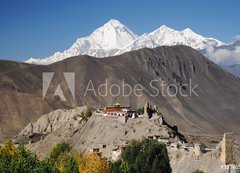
(213, 111)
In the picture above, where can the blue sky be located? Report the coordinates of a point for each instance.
(38, 28)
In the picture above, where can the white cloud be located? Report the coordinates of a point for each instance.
(237, 37)
(224, 56)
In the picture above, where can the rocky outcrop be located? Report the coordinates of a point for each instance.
(50, 122)
(96, 132)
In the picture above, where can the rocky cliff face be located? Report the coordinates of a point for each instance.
(50, 122)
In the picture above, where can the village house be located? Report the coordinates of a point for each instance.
(122, 113)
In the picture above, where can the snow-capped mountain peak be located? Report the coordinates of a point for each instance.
(188, 30)
(168, 36)
(114, 38)
(114, 23)
(104, 41)
(112, 35)
(164, 28)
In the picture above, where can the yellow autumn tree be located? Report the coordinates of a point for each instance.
(8, 150)
(92, 163)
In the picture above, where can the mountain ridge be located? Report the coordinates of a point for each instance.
(114, 38)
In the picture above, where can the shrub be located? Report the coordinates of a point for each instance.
(86, 114)
(140, 111)
(202, 146)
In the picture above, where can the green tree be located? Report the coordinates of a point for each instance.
(59, 149)
(67, 163)
(124, 167)
(19, 160)
(146, 156)
(115, 167)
